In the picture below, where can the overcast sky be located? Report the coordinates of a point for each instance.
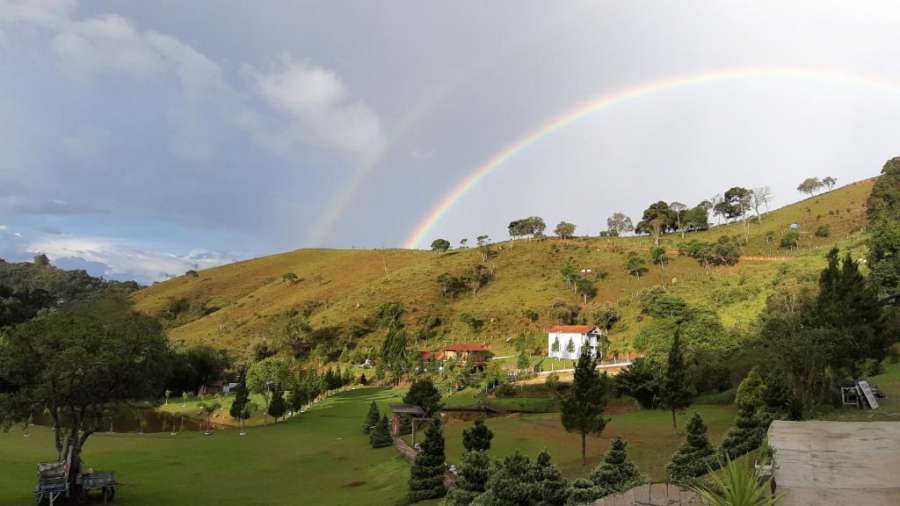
(142, 139)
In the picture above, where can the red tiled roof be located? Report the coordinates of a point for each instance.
(465, 347)
(432, 355)
(572, 329)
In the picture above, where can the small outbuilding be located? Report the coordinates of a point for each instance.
(399, 411)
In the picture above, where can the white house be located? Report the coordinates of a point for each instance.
(565, 341)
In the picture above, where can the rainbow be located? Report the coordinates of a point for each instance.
(424, 227)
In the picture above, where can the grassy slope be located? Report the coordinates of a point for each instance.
(347, 285)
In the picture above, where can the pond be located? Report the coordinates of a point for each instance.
(142, 419)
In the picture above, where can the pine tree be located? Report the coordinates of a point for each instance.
(372, 418)
(551, 489)
(747, 434)
(241, 397)
(426, 479)
(511, 483)
(751, 390)
(277, 406)
(473, 474)
(405, 426)
(583, 491)
(381, 434)
(616, 473)
(478, 437)
(676, 393)
(582, 407)
(695, 456)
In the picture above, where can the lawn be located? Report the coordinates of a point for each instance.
(318, 458)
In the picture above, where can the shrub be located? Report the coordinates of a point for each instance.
(823, 231)
(790, 239)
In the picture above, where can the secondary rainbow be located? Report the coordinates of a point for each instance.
(423, 228)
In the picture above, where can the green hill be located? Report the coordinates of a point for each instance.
(233, 305)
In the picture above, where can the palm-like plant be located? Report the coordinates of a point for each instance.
(735, 485)
(209, 409)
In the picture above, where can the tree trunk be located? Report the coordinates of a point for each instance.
(583, 449)
(674, 423)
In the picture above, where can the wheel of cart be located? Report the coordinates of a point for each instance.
(109, 493)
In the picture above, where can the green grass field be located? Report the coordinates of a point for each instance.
(318, 458)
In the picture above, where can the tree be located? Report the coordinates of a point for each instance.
(582, 406)
(618, 223)
(760, 198)
(478, 437)
(747, 434)
(752, 390)
(268, 374)
(241, 397)
(586, 289)
(656, 220)
(511, 483)
(829, 182)
(642, 381)
(472, 477)
(277, 406)
(555, 346)
(616, 473)
(484, 246)
(678, 212)
(570, 348)
(694, 457)
(522, 361)
(564, 230)
(883, 213)
(426, 478)
(372, 418)
(736, 485)
(290, 278)
(736, 204)
(440, 245)
(550, 488)
(790, 239)
(462, 243)
(658, 256)
(810, 185)
(676, 393)
(209, 409)
(424, 394)
(394, 352)
(532, 226)
(635, 265)
(823, 230)
(848, 309)
(380, 436)
(78, 365)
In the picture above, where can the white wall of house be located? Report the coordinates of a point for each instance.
(578, 340)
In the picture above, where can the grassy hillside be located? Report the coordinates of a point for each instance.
(232, 305)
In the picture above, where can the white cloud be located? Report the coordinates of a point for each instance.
(124, 259)
(47, 13)
(323, 112)
(105, 44)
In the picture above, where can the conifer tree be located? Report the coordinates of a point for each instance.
(751, 390)
(372, 418)
(478, 437)
(241, 397)
(551, 489)
(583, 491)
(747, 434)
(695, 456)
(616, 473)
(277, 406)
(426, 479)
(381, 434)
(583, 405)
(473, 474)
(297, 399)
(511, 483)
(676, 392)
